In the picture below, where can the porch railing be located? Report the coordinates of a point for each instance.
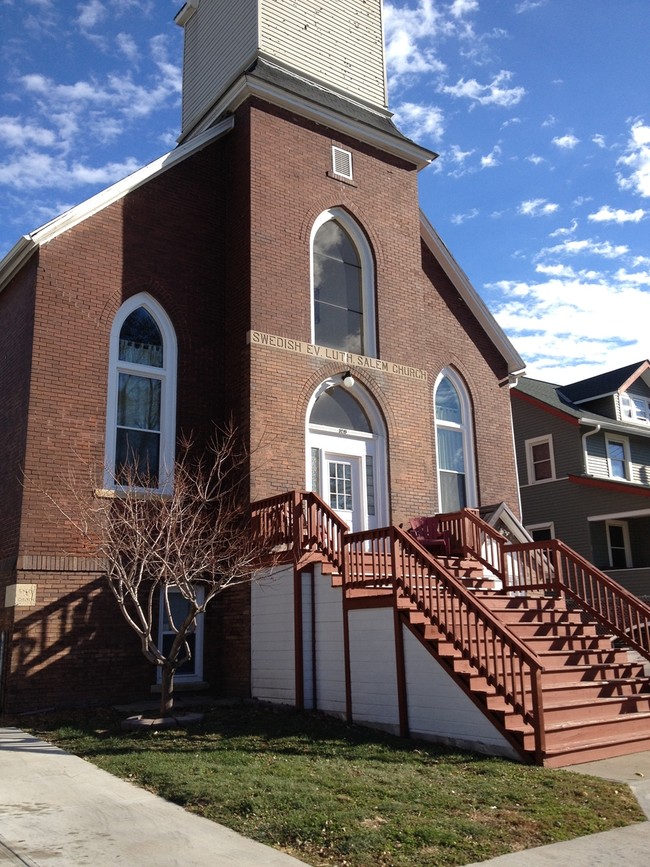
(552, 567)
(390, 559)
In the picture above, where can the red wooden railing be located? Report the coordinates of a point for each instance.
(552, 567)
(390, 559)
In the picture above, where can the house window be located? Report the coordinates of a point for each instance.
(171, 618)
(541, 532)
(540, 460)
(635, 408)
(342, 285)
(141, 397)
(617, 457)
(454, 444)
(618, 544)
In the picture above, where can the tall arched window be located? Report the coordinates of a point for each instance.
(454, 444)
(141, 410)
(343, 297)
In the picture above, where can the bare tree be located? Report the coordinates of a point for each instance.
(194, 541)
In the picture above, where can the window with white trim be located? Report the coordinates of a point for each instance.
(141, 410)
(454, 444)
(343, 291)
(618, 545)
(174, 608)
(540, 460)
(541, 532)
(617, 457)
(635, 408)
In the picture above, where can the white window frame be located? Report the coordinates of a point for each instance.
(530, 463)
(629, 410)
(167, 376)
(609, 438)
(466, 428)
(547, 525)
(366, 261)
(197, 675)
(626, 543)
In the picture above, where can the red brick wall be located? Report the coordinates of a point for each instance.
(422, 321)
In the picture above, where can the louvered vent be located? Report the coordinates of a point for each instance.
(342, 163)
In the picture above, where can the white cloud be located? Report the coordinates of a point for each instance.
(608, 215)
(35, 170)
(494, 93)
(127, 46)
(459, 8)
(537, 208)
(573, 325)
(562, 231)
(409, 35)
(492, 159)
(586, 246)
(556, 270)
(599, 140)
(637, 159)
(17, 133)
(535, 159)
(566, 142)
(458, 155)
(527, 5)
(639, 278)
(91, 14)
(459, 219)
(420, 121)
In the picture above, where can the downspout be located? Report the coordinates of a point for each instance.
(586, 434)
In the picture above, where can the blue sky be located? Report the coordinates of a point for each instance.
(539, 109)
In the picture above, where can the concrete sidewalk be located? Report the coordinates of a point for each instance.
(57, 809)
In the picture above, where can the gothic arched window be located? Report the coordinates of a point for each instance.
(140, 417)
(342, 285)
(454, 444)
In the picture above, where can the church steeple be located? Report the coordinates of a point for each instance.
(335, 44)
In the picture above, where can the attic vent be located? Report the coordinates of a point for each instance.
(342, 163)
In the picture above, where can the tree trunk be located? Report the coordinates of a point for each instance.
(167, 691)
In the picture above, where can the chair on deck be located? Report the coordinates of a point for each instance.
(427, 532)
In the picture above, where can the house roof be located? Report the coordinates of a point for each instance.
(604, 384)
(555, 397)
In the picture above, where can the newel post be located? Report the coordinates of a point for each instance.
(297, 521)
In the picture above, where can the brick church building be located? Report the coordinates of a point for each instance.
(284, 275)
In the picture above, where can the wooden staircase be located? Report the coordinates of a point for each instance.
(595, 695)
(553, 652)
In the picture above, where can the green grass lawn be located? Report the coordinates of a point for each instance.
(330, 793)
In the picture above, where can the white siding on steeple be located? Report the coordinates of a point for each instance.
(339, 42)
(221, 41)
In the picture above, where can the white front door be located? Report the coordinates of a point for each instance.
(342, 486)
(343, 472)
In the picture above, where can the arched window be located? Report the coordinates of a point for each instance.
(140, 416)
(343, 308)
(454, 444)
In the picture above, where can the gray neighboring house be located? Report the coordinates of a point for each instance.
(583, 454)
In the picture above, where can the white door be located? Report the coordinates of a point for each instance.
(343, 473)
(342, 477)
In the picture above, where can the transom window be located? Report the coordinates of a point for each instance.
(141, 397)
(342, 285)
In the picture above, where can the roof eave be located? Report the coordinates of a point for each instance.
(470, 296)
(248, 85)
